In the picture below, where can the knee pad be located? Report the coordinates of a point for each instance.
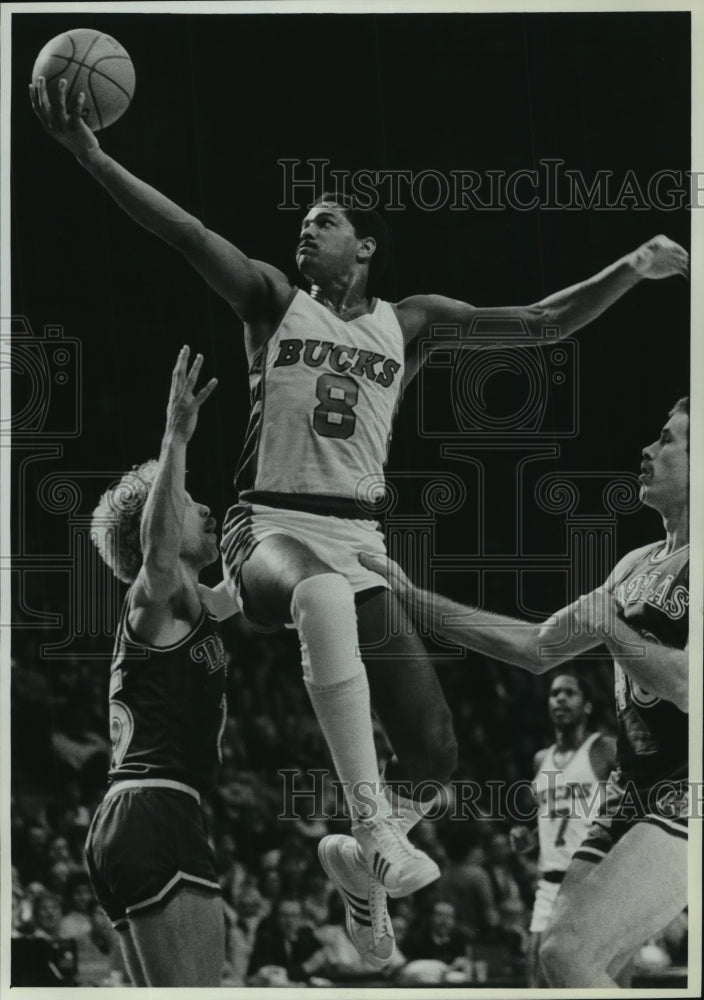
(324, 613)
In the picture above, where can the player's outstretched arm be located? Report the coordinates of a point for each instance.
(162, 521)
(535, 647)
(562, 313)
(256, 291)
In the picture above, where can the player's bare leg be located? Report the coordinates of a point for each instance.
(407, 697)
(182, 943)
(535, 972)
(131, 957)
(602, 914)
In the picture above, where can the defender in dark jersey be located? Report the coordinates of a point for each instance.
(606, 908)
(290, 551)
(147, 849)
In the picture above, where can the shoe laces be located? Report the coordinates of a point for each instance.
(381, 921)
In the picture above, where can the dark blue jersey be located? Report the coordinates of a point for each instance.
(652, 592)
(167, 706)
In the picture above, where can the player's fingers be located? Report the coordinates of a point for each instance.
(44, 104)
(180, 366)
(77, 110)
(376, 563)
(192, 376)
(61, 100)
(206, 391)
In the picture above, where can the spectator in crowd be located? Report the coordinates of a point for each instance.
(436, 935)
(317, 895)
(88, 926)
(18, 912)
(508, 895)
(243, 914)
(46, 916)
(467, 884)
(283, 939)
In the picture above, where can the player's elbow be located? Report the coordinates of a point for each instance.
(531, 655)
(539, 318)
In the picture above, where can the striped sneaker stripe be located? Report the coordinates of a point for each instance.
(355, 899)
(356, 907)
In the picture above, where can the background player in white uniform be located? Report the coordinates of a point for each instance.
(605, 908)
(567, 778)
(147, 850)
(286, 579)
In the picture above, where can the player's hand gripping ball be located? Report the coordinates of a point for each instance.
(93, 63)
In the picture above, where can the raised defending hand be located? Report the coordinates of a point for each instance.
(67, 127)
(183, 406)
(661, 258)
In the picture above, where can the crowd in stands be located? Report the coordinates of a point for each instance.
(285, 923)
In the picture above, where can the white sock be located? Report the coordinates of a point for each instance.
(324, 613)
(407, 812)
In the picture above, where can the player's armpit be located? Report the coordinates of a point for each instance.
(161, 616)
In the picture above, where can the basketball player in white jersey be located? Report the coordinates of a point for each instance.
(330, 367)
(628, 878)
(566, 785)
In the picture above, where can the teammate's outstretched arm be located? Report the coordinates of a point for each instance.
(535, 647)
(161, 532)
(255, 290)
(591, 620)
(565, 311)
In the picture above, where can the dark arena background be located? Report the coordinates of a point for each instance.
(513, 477)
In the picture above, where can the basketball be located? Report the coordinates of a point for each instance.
(94, 63)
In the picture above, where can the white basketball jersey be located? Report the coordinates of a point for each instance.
(564, 798)
(324, 394)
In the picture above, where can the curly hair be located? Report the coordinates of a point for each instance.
(115, 527)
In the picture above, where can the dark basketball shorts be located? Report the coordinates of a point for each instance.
(665, 805)
(146, 841)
